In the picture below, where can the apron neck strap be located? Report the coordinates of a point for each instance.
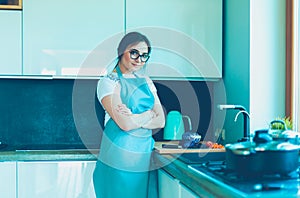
(120, 73)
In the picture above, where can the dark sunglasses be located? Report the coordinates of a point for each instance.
(135, 54)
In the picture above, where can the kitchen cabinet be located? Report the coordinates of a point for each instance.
(11, 42)
(11, 4)
(8, 179)
(187, 193)
(61, 179)
(168, 186)
(186, 36)
(58, 36)
(71, 38)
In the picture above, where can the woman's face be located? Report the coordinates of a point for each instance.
(127, 63)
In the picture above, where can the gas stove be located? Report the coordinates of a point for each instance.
(251, 184)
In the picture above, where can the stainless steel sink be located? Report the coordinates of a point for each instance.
(198, 158)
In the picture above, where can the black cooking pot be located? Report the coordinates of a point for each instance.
(262, 156)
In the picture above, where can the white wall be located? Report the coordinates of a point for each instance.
(267, 61)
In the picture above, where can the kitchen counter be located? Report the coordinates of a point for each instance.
(199, 182)
(48, 152)
(168, 162)
(206, 186)
(49, 155)
(201, 185)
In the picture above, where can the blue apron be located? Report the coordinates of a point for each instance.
(122, 169)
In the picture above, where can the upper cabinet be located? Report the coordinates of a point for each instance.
(186, 36)
(11, 42)
(11, 4)
(69, 38)
(59, 35)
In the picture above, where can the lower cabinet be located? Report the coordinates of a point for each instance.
(8, 180)
(48, 179)
(169, 186)
(187, 193)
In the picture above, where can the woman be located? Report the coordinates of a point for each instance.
(133, 109)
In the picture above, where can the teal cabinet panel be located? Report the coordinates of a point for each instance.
(186, 36)
(11, 42)
(60, 35)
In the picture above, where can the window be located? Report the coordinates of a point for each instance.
(296, 73)
(293, 61)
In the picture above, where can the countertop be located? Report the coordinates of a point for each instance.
(73, 152)
(42, 152)
(49, 155)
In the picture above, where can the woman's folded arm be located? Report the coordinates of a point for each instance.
(127, 121)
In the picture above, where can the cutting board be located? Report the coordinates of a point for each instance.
(158, 148)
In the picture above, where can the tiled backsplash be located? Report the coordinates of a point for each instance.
(56, 112)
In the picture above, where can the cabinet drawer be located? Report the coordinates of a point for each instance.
(65, 179)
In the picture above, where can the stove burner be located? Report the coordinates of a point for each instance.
(250, 183)
(219, 168)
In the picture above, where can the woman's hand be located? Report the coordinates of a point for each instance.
(123, 109)
(138, 119)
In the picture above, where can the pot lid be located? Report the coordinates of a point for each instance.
(276, 146)
(285, 134)
(246, 148)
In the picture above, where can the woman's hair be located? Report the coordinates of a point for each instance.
(130, 39)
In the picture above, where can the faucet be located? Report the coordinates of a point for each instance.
(246, 118)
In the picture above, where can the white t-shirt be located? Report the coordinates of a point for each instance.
(107, 84)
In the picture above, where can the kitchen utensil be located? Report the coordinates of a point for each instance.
(174, 128)
(262, 156)
(171, 146)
